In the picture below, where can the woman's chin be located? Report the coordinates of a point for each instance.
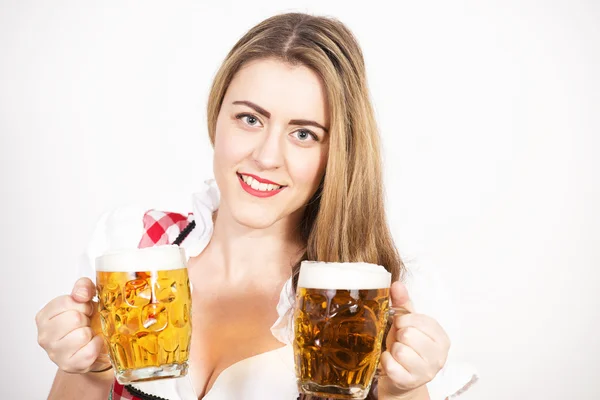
(255, 220)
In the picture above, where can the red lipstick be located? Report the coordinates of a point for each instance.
(259, 193)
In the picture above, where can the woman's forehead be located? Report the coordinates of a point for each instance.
(285, 90)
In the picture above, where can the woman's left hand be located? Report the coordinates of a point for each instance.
(417, 348)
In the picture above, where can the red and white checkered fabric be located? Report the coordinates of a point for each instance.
(160, 228)
(119, 392)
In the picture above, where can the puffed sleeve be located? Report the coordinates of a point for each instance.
(118, 229)
(430, 297)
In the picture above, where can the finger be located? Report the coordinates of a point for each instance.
(74, 341)
(60, 326)
(410, 360)
(83, 290)
(396, 372)
(400, 297)
(60, 305)
(425, 324)
(85, 357)
(422, 344)
(392, 369)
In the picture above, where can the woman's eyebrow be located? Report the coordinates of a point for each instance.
(256, 107)
(267, 114)
(308, 122)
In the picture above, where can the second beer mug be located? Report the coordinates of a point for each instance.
(340, 318)
(144, 305)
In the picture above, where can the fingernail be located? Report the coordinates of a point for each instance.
(82, 293)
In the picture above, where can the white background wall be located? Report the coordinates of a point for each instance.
(490, 115)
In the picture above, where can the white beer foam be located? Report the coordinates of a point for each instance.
(158, 258)
(351, 276)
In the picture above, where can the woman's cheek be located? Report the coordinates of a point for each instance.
(231, 147)
(307, 167)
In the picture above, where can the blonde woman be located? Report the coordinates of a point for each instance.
(297, 176)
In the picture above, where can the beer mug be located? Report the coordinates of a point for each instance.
(339, 321)
(144, 302)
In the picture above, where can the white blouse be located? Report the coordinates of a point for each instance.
(268, 375)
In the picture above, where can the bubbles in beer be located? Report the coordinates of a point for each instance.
(148, 346)
(342, 304)
(111, 295)
(154, 317)
(180, 317)
(338, 336)
(315, 303)
(118, 346)
(166, 290)
(146, 316)
(106, 321)
(340, 319)
(167, 342)
(137, 292)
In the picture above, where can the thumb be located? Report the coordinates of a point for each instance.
(83, 290)
(400, 297)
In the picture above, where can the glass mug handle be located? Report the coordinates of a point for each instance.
(392, 313)
(397, 312)
(96, 325)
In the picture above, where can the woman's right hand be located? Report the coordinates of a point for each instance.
(65, 331)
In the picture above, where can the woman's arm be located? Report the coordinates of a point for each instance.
(420, 393)
(89, 386)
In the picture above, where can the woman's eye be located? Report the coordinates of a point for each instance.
(248, 119)
(304, 135)
(251, 120)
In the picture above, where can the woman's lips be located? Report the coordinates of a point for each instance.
(257, 192)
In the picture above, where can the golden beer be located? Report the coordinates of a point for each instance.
(339, 321)
(144, 302)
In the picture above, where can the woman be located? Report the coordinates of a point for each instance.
(297, 166)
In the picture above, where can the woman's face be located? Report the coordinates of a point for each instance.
(271, 142)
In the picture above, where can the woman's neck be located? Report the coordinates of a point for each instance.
(246, 253)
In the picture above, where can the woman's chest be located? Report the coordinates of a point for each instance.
(228, 328)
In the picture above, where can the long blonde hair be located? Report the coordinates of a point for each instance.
(345, 220)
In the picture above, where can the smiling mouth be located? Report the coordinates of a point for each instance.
(260, 185)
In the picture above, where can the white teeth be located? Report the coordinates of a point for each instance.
(256, 185)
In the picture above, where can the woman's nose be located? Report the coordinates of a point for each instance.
(268, 153)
